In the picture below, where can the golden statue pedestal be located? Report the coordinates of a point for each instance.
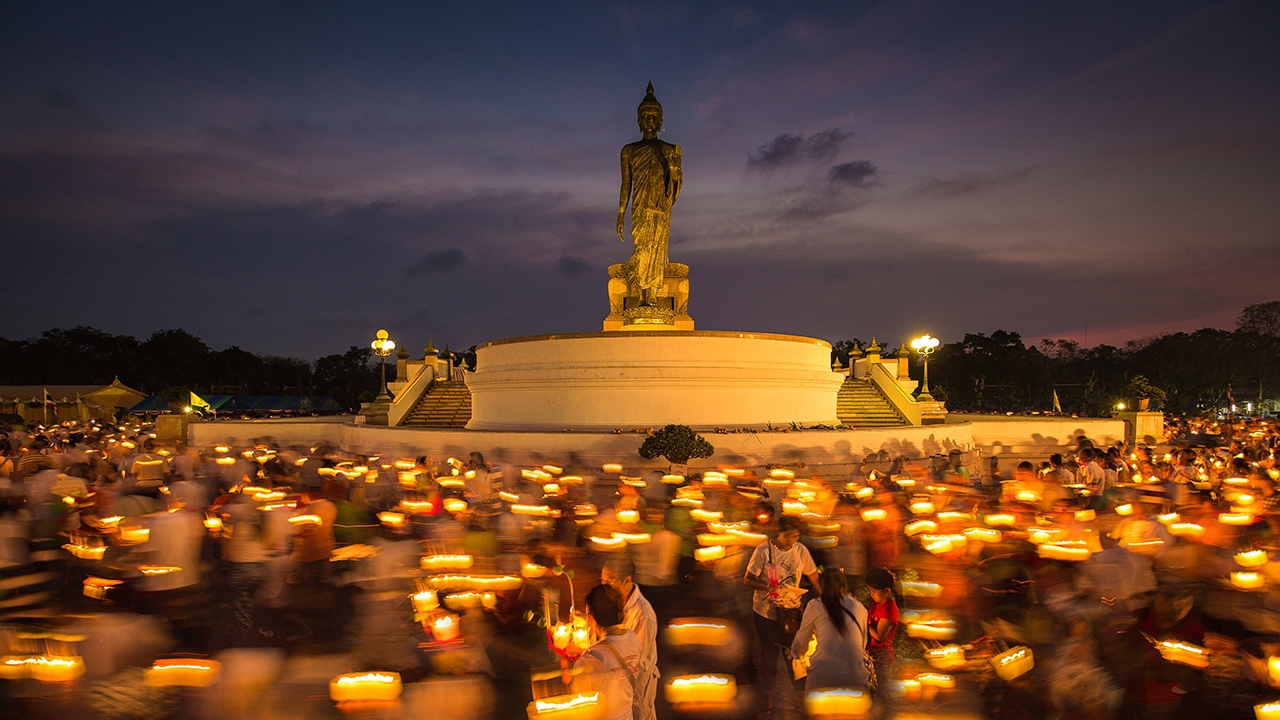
(670, 311)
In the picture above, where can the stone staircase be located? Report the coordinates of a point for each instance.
(860, 404)
(446, 405)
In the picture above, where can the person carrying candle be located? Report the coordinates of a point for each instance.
(839, 622)
(611, 665)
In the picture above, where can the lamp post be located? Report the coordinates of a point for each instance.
(382, 347)
(924, 346)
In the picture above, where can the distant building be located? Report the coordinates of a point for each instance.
(70, 402)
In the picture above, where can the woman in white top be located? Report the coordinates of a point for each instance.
(840, 623)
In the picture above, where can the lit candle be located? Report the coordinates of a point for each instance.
(873, 514)
(391, 519)
(922, 507)
(932, 629)
(1273, 670)
(1235, 519)
(1182, 529)
(696, 514)
(457, 505)
(134, 535)
(708, 554)
(1247, 579)
(445, 628)
(1014, 662)
(1000, 520)
(697, 631)
(1050, 551)
(560, 636)
(533, 570)
(446, 562)
(425, 601)
(912, 588)
(937, 680)
(1267, 711)
(1086, 515)
(631, 517)
(837, 702)
(705, 688)
(947, 657)
(920, 526)
(1125, 509)
(306, 519)
(176, 672)
(583, 706)
(1251, 558)
(376, 686)
(614, 468)
(633, 538)
(986, 535)
(1183, 653)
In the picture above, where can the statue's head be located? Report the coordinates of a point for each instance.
(649, 115)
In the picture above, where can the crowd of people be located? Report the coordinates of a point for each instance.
(1124, 571)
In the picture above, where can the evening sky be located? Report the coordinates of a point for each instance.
(290, 177)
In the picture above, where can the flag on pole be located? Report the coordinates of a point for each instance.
(199, 403)
(1057, 406)
(48, 399)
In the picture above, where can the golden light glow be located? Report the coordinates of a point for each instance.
(705, 688)
(183, 673)
(920, 526)
(306, 519)
(86, 552)
(1251, 558)
(932, 629)
(873, 514)
(1247, 579)
(697, 631)
(947, 657)
(445, 628)
(707, 554)
(1014, 662)
(672, 479)
(458, 505)
(1235, 519)
(365, 687)
(1068, 553)
(446, 562)
(837, 702)
(629, 517)
(562, 707)
(1125, 509)
(1182, 529)
(1000, 520)
(701, 515)
(912, 588)
(1183, 653)
(981, 534)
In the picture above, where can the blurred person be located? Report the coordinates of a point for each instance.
(850, 554)
(658, 563)
(882, 619)
(839, 622)
(174, 544)
(245, 551)
(638, 617)
(1057, 473)
(612, 665)
(777, 563)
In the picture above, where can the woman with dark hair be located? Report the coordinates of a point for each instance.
(612, 664)
(882, 619)
(840, 624)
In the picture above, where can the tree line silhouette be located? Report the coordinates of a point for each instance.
(1198, 371)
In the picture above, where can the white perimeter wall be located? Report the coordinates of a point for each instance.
(1012, 440)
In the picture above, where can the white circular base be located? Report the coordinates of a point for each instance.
(609, 380)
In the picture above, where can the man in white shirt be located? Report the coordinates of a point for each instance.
(638, 617)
